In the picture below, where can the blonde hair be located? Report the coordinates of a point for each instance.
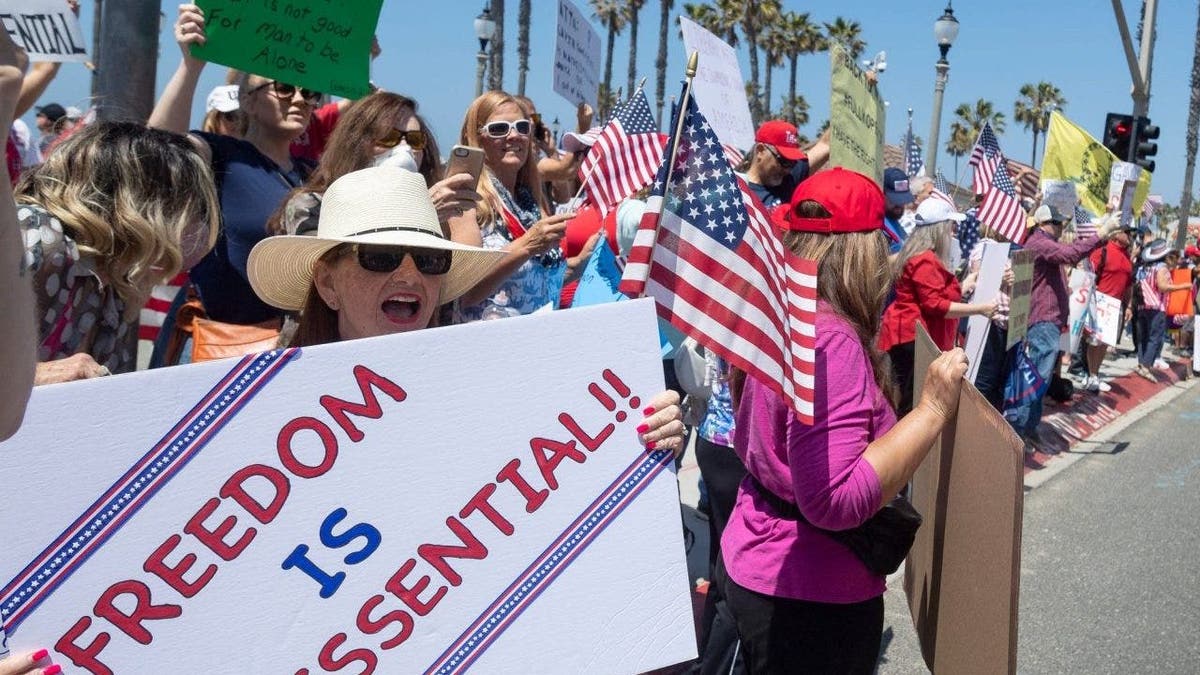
(128, 196)
(923, 238)
(477, 115)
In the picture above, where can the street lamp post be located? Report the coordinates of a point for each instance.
(945, 30)
(485, 29)
(555, 127)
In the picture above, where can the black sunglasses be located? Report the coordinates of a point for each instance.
(286, 91)
(415, 139)
(784, 162)
(384, 259)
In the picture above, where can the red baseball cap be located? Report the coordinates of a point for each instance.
(1191, 251)
(853, 200)
(781, 136)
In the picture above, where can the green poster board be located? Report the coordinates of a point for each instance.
(319, 44)
(856, 120)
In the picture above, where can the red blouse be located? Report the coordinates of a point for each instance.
(924, 292)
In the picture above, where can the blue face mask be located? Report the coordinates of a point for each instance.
(400, 157)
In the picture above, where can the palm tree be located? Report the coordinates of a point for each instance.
(775, 43)
(756, 16)
(612, 14)
(522, 44)
(660, 64)
(632, 7)
(961, 142)
(847, 33)
(1033, 108)
(1185, 201)
(969, 121)
(795, 110)
(715, 20)
(496, 79)
(803, 38)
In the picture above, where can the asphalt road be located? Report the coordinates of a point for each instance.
(1110, 565)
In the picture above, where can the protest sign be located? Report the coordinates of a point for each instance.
(1107, 318)
(1060, 194)
(856, 120)
(987, 287)
(963, 574)
(1018, 298)
(393, 505)
(1122, 187)
(718, 87)
(46, 29)
(321, 45)
(1072, 154)
(576, 56)
(1081, 283)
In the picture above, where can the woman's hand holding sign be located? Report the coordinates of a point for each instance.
(662, 429)
(28, 664)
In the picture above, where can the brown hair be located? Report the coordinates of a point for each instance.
(477, 115)
(852, 278)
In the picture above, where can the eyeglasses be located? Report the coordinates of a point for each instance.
(384, 259)
(286, 91)
(415, 139)
(785, 163)
(501, 128)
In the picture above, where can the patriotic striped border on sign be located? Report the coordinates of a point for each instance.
(550, 564)
(72, 548)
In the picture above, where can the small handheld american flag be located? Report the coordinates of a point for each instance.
(1001, 208)
(625, 156)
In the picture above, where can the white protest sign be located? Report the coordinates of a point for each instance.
(1122, 185)
(1107, 318)
(1080, 284)
(718, 87)
(47, 29)
(391, 505)
(987, 287)
(576, 56)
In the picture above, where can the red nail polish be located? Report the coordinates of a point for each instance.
(39, 655)
(643, 428)
(650, 445)
(648, 411)
(52, 670)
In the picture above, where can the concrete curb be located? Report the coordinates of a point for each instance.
(1061, 462)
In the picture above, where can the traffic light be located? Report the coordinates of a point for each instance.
(1118, 134)
(1143, 146)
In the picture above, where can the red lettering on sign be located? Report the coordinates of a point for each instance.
(533, 498)
(283, 445)
(371, 626)
(332, 663)
(409, 595)
(436, 554)
(549, 454)
(370, 408)
(84, 657)
(215, 539)
(156, 564)
(235, 489)
(131, 624)
(481, 504)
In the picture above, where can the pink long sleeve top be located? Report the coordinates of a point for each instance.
(820, 468)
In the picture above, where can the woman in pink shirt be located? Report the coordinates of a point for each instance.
(802, 601)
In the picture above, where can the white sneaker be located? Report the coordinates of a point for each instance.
(1161, 365)
(1100, 385)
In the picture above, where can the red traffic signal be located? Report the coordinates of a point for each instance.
(1118, 135)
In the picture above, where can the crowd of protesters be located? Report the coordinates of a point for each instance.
(301, 222)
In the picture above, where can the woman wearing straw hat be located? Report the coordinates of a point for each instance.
(379, 264)
(1154, 282)
(803, 601)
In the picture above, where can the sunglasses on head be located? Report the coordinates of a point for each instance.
(286, 91)
(386, 259)
(415, 139)
(501, 128)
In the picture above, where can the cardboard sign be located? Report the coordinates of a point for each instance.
(963, 574)
(1107, 318)
(1018, 298)
(856, 118)
(1060, 194)
(395, 505)
(47, 29)
(576, 56)
(987, 287)
(1081, 285)
(321, 45)
(719, 89)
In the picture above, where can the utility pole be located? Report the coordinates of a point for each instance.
(124, 80)
(97, 42)
(1140, 65)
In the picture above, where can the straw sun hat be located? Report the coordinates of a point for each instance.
(384, 206)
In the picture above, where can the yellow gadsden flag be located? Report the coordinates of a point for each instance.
(1072, 154)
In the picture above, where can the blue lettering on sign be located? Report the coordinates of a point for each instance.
(330, 583)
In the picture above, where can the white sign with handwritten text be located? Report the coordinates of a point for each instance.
(576, 56)
(718, 87)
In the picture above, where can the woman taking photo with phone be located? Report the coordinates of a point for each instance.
(512, 216)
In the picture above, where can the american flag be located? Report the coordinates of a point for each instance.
(1084, 226)
(707, 253)
(734, 155)
(968, 233)
(154, 312)
(625, 156)
(915, 166)
(940, 184)
(1001, 208)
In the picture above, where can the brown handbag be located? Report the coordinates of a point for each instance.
(216, 339)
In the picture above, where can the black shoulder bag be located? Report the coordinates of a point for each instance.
(881, 543)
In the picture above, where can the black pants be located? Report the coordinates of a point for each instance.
(903, 357)
(994, 364)
(722, 471)
(779, 635)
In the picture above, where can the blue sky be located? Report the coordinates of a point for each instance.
(429, 54)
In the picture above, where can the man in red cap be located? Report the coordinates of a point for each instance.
(776, 164)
